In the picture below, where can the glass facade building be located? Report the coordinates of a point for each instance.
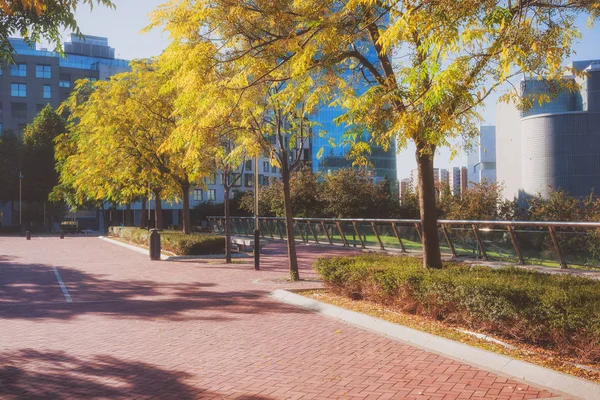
(327, 130)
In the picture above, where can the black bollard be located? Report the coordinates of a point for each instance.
(256, 249)
(62, 234)
(154, 244)
(28, 235)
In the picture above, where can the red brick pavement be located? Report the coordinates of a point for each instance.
(187, 330)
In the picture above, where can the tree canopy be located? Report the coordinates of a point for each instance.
(411, 71)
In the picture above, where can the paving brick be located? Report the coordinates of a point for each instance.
(197, 329)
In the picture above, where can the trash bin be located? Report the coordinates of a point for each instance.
(28, 235)
(154, 244)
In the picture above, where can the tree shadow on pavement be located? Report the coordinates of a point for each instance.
(33, 374)
(32, 292)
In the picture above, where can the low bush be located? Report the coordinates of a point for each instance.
(176, 242)
(559, 312)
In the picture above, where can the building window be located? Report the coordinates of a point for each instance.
(18, 70)
(235, 193)
(306, 155)
(249, 180)
(274, 169)
(212, 195)
(211, 180)
(43, 71)
(1, 129)
(19, 110)
(266, 166)
(47, 94)
(64, 84)
(248, 166)
(39, 107)
(236, 180)
(18, 90)
(197, 194)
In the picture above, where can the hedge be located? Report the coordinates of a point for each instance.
(559, 312)
(176, 242)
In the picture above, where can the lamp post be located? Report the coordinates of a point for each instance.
(20, 198)
(256, 224)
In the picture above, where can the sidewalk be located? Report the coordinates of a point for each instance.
(198, 329)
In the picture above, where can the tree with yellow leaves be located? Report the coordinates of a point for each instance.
(423, 66)
(115, 148)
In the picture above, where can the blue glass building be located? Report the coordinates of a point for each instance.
(335, 157)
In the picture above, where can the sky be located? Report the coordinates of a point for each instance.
(122, 26)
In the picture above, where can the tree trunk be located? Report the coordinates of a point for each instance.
(143, 216)
(158, 219)
(185, 193)
(227, 224)
(431, 243)
(289, 223)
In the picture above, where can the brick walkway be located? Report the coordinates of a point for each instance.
(187, 330)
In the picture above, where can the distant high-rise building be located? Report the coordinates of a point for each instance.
(414, 180)
(481, 161)
(443, 180)
(405, 187)
(454, 181)
(464, 180)
(553, 145)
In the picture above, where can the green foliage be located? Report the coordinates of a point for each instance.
(346, 193)
(10, 164)
(560, 312)
(176, 242)
(39, 172)
(38, 19)
(484, 201)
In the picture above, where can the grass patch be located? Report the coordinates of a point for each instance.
(176, 242)
(558, 313)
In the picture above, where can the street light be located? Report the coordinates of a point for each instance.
(256, 224)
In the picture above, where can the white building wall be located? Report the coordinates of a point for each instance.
(481, 161)
(508, 149)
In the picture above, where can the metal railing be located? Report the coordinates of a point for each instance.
(533, 242)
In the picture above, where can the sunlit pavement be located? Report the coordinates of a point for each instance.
(83, 318)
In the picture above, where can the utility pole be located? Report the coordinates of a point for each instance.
(20, 198)
(256, 224)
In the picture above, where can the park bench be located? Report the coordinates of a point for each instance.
(247, 244)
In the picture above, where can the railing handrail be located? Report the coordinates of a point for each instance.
(564, 224)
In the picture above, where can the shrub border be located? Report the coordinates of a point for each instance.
(164, 257)
(497, 363)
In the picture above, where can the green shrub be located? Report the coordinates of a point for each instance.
(176, 242)
(560, 312)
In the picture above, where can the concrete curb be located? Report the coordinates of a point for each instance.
(165, 257)
(493, 362)
(137, 249)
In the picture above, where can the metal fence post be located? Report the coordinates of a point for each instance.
(326, 232)
(377, 235)
(398, 237)
(418, 228)
(342, 234)
(450, 244)
(513, 238)
(559, 253)
(362, 242)
(480, 242)
(313, 232)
